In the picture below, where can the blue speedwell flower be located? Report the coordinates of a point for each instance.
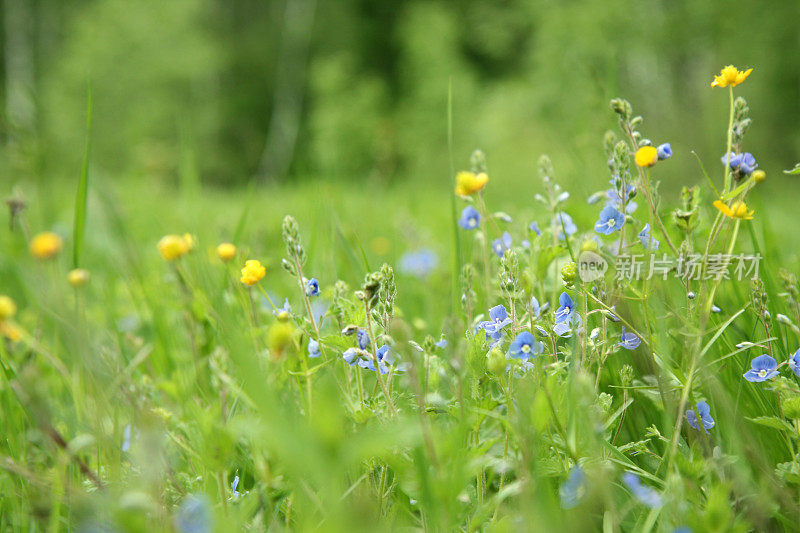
(629, 341)
(312, 287)
(563, 224)
(648, 241)
(610, 221)
(234, 486)
(385, 358)
(794, 363)
(313, 349)
(643, 493)
(419, 263)
(573, 489)
(498, 319)
(704, 411)
(573, 324)
(470, 218)
(524, 346)
(744, 163)
(565, 309)
(534, 227)
(664, 151)
(615, 199)
(283, 313)
(502, 244)
(362, 338)
(194, 515)
(351, 356)
(762, 368)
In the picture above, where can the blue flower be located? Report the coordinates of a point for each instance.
(384, 356)
(704, 410)
(534, 227)
(194, 515)
(442, 343)
(419, 263)
(664, 151)
(351, 356)
(498, 319)
(525, 346)
(762, 368)
(744, 163)
(565, 309)
(126, 438)
(573, 489)
(643, 493)
(470, 218)
(312, 287)
(284, 312)
(313, 349)
(610, 221)
(649, 242)
(629, 341)
(502, 244)
(563, 223)
(234, 485)
(615, 200)
(362, 338)
(794, 363)
(535, 309)
(565, 329)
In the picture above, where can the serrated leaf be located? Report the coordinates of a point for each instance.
(772, 422)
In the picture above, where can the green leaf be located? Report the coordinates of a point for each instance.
(795, 170)
(772, 422)
(83, 189)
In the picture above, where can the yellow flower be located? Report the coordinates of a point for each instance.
(189, 240)
(9, 330)
(172, 247)
(226, 251)
(730, 75)
(758, 175)
(45, 245)
(78, 277)
(646, 156)
(253, 272)
(468, 183)
(737, 210)
(7, 307)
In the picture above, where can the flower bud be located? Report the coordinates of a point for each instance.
(7, 308)
(496, 361)
(759, 175)
(78, 277)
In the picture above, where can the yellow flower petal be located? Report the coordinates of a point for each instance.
(646, 156)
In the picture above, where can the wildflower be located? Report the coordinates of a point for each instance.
(565, 309)
(7, 307)
(643, 493)
(730, 75)
(759, 176)
(172, 247)
(737, 210)
(502, 244)
(664, 151)
(442, 343)
(283, 313)
(615, 200)
(535, 308)
(534, 227)
(226, 251)
(744, 163)
(234, 485)
(78, 277)
(565, 329)
(649, 242)
(704, 410)
(313, 349)
(194, 515)
(45, 245)
(629, 341)
(496, 361)
(10, 331)
(351, 356)
(468, 183)
(470, 218)
(610, 221)
(253, 272)
(573, 489)
(419, 263)
(690, 295)
(563, 224)
(190, 241)
(126, 438)
(762, 368)
(312, 287)
(362, 339)
(498, 319)
(525, 346)
(646, 156)
(794, 363)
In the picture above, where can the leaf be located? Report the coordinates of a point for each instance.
(772, 422)
(82, 194)
(794, 171)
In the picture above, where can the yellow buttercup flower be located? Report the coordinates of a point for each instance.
(468, 183)
(188, 238)
(253, 272)
(78, 277)
(226, 251)
(646, 156)
(172, 247)
(730, 75)
(45, 245)
(737, 210)
(9, 330)
(7, 307)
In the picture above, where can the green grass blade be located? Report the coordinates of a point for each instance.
(82, 194)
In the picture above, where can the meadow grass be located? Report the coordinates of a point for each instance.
(167, 395)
